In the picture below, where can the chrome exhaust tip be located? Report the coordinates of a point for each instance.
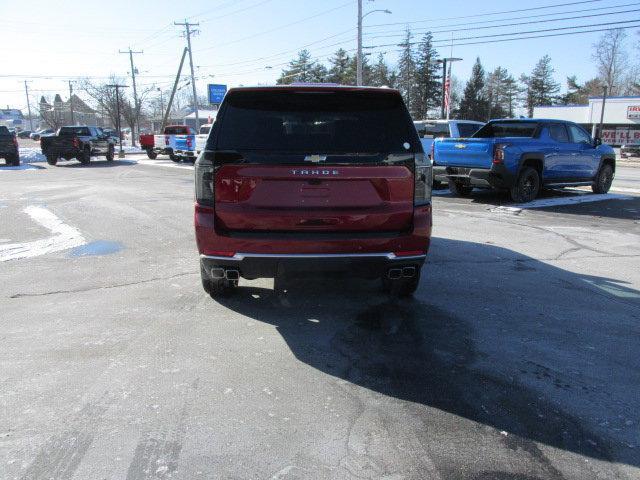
(217, 273)
(394, 273)
(232, 274)
(409, 272)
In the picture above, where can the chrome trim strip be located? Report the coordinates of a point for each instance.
(242, 256)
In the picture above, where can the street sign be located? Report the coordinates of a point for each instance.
(216, 93)
(633, 112)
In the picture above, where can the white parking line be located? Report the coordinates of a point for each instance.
(64, 237)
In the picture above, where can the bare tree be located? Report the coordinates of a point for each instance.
(51, 116)
(105, 97)
(611, 62)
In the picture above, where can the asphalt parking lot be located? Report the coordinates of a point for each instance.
(518, 358)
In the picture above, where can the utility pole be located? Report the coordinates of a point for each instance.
(161, 101)
(118, 87)
(188, 32)
(173, 92)
(359, 54)
(73, 121)
(444, 111)
(604, 100)
(26, 91)
(136, 105)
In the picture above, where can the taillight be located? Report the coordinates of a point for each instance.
(76, 142)
(15, 141)
(423, 180)
(498, 153)
(433, 152)
(189, 142)
(166, 139)
(204, 178)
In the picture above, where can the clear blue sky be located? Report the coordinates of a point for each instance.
(238, 38)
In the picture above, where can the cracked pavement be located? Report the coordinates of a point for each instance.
(519, 357)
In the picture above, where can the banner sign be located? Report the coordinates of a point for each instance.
(633, 112)
(216, 93)
(620, 136)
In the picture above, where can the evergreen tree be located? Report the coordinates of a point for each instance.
(380, 73)
(541, 88)
(579, 94)
(497, 93)
(428, 86)
(406, 80)
(474, 104)
(300, 69)
(511, 92)
(340, 66)
(353, 68)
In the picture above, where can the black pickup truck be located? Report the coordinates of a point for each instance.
(79, 142)
(9, 147)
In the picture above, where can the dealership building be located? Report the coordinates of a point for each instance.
(621, 123)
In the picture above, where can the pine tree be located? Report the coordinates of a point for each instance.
(380, 73)
(353, 68)
(474, 104)
(428, 87)
(579, 94)
(511, 92)
(339, 70)
(300, 69)
(497, 93)
(406, 81)
(541, 88)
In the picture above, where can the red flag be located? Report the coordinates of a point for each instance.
(447, 93)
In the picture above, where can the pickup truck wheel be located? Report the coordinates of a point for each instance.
(151, 154)
(111, 153)
(52, 159)
(527, 186)
(14, 160)
(174, 158)
(84, 158)
(460, 189)
(604, 178)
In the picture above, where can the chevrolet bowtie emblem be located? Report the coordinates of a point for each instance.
(460, 145)
(315, 158)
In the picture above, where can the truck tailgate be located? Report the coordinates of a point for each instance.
(464, 152)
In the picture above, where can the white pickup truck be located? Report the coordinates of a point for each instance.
(177, 141)
(202, 136)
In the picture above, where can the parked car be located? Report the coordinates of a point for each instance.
(24, 134)
(309, 178)
(522, 156)
(177, 141)
(429, 130)
(9, 147)
(40, 133)
(112, 134)
(79, 142)
(632, 150)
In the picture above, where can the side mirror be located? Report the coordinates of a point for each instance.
(597, 142)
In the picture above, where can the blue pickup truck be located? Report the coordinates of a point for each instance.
(522, 156)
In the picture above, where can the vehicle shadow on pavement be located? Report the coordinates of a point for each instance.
(424, 351)
(98, 164)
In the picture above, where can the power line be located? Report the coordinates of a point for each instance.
(541, 7)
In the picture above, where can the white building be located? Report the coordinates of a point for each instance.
(621, 123)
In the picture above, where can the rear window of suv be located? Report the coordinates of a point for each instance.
(315, 122)
(507, 129)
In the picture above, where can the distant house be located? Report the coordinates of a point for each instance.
(59, 113)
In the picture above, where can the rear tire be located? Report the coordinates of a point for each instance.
(111, 153)
(404, 287)
(459, 189)
(174, 158)
(217, 287)
(527, 186)
(602, 183)
(151, 154)
(14, 160)
(84, 158)
(52, 159)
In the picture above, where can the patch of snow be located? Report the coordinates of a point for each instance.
(31, 155)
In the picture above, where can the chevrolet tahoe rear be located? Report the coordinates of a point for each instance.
(312, 178)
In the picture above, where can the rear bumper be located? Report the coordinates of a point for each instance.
(265, 254)
(185, 153)
(361, 265)
(498, 176)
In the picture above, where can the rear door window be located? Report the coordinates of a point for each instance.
(507, 129)
(315, 122)
(558, 132)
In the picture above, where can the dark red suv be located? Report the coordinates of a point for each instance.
(308, 178)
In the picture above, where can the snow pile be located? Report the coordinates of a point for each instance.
(31, 155)
(130, 149)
